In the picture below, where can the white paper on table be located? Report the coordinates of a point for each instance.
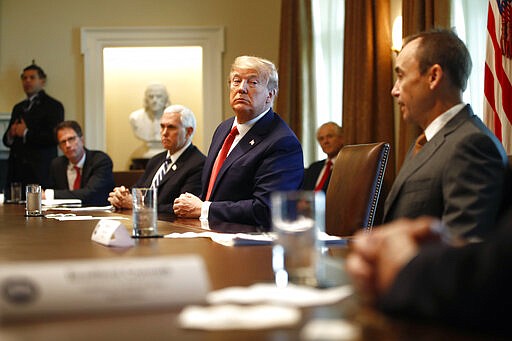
(88, 217)
(240, 239)
(292, 295)
(330, 329)
(231, 317)
(61, 202)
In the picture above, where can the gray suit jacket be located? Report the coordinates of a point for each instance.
(459, 176)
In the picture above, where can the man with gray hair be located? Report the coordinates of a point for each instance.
(174, 171)
(251, 155)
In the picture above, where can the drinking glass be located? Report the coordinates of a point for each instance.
(297, 218)
(144, 212)
(33, 203)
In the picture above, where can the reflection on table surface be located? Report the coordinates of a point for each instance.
(36, 239)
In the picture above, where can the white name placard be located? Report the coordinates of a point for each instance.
(112, 233)
(36, 288)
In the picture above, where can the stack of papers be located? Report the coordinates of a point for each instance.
(62, 203)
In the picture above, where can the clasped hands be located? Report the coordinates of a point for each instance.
(17, 128)
(187, 205)
(120, 197)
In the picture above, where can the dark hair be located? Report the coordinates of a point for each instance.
(443, 47)
(39, 70)
(69, 124)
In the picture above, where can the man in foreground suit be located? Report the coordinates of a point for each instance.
(30, 135)
(318, 174)
(405, 269)
(80, 173)
(460, 173)
(180, 165)
(263, 154)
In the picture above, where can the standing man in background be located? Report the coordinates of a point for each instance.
(318, 174)
(30, 134)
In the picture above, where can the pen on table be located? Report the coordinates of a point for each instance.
(155, 236)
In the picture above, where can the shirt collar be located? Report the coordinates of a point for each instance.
(178, 153)
(436, 125)
(79, 164)
(243, 128)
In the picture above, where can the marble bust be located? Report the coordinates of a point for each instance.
(145, 122)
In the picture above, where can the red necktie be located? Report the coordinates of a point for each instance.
(420, 142)
(325, 176)
(220, 159)
(76, 184)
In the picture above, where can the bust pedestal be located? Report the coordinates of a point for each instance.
(145, 152)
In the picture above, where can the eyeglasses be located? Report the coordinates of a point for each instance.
(71, 140)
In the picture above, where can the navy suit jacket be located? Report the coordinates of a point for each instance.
(185, 177)
(30, 158)
(311, 176)
(96, 183)
(267, 159)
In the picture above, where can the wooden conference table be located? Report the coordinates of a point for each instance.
(34, 239)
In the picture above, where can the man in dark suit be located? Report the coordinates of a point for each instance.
(318, 174)
(459, 175)
(175, 171)
(251, 155)
(80, 173)
(406, 269)
(30, 134)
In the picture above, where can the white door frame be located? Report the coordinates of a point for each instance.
(95, 39)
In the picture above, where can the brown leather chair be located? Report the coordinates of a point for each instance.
(127, 178)
(354, 188)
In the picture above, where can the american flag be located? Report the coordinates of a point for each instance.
(498, 71)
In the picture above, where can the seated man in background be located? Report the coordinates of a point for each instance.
(80, 173)
(457, 171)
(318, 174)
(261, 153)
(175, 171)
(406, 269)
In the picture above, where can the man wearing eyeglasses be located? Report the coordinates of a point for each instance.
(80, 173)
(29, 135)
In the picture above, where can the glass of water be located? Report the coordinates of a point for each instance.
(33, 203)
(297, 218)
(144, 212)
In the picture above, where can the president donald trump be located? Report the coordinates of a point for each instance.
(251, 154)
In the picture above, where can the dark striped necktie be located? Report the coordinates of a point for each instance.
(164, 168)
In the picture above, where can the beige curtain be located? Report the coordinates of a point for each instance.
(368, 78)
(295, 101)
(419, 15)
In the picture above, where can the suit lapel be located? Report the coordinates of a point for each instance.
(250, 140)
(413, 163)
(216, 145)
(177, 165)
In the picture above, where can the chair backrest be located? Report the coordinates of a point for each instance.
(353, 193)
(127, 178)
